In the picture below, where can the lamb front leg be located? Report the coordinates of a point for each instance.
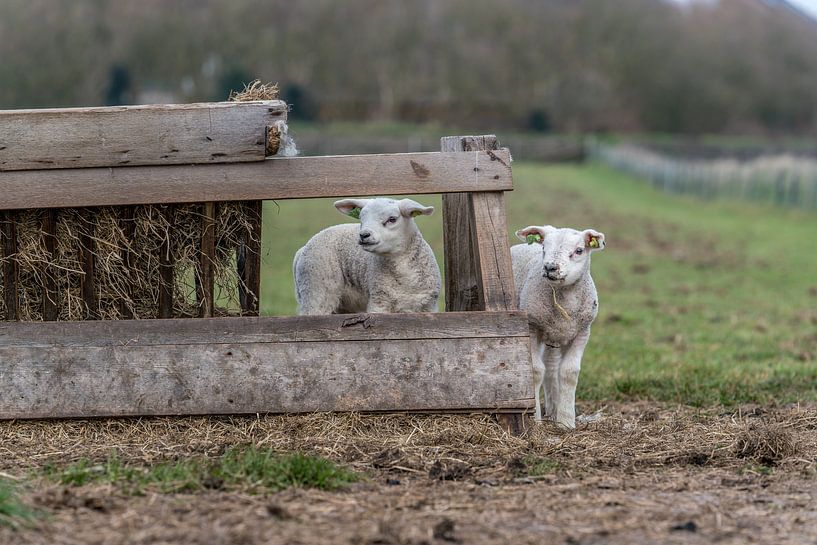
(552, 357)
(569, 368)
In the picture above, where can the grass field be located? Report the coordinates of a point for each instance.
(705, 341)
(700, 303)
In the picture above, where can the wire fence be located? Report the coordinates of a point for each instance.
(782, 179)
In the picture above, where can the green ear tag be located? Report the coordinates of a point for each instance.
(594, 242)
(533, 237)
(415, 213)
(354, 213)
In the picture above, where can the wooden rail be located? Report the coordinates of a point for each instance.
(280, 178)
(218, 132)
(452, 361)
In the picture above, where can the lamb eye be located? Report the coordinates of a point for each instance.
(579, 251)
(392, 219)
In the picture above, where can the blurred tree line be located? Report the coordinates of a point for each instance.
(561, 65)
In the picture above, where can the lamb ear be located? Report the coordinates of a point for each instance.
(351, 207)
(410, 208)
(593, 240)
(536, 233)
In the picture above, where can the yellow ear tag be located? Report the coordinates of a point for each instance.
(594, 243)
(354, 213)
(533, 237)
(415, 213)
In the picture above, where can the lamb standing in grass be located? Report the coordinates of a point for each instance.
(552, 275)
(383, 265)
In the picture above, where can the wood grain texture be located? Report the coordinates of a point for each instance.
(266, 329)
(279, 178)
(88, 281)
(128, 225)
(439, 370)
(49, 228)
(248, 261)
(219, 132)
(477, 256)
(11, 273)
(207, 256)
(493, 251)
(166, 270)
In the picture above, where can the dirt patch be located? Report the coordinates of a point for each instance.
(642, 473)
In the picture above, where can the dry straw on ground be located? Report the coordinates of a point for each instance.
(443, 446)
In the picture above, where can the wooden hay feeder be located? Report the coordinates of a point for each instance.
(106, 163)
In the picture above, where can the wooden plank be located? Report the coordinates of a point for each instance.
(49, 228)
(10, 267)
(207, 257)
(166, 271)
(128, 225)
(249, 262)
(279, 178)
(218, 132)
(87, 281)
(493, 251)
(462, 273)
(488, 371)
(266, 329)
(477, 255)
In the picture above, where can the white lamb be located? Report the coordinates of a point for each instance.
(383, 265)
(554, 286)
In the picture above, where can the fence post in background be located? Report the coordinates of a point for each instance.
(478, 271)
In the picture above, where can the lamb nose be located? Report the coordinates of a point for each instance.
(551, 267)
(364, 235)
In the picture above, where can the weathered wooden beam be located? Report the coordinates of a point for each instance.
(207, 256)
(249, 262)
(219, 132)
(477, 257)
(166, 269)
(88, 280)
(49, 228)
(266, 329)
(10, 267)
(253, 365)
(128, 226)
(279, 178)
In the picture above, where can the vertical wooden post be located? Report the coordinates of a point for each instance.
(206, 257)
(249, 262)
(49, 228)
(88, 282)
(166, 269)
(478, 269)
(10, 269)
(128, 225)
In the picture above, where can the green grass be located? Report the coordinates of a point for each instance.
(13, 512)
(249, 469)
(700, 302)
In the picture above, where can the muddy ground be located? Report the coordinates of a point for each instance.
(641, 473)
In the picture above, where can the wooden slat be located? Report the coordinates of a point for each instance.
(266, 329)
(463, 290)
(88, 281)
(493, 251)
(49, 228)
(10, 268)
(219, 132)
(477, 255)
(166, 270)
(249, 262)
(279, 178)
(128, 226)
(436, 371)
(206, 283)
